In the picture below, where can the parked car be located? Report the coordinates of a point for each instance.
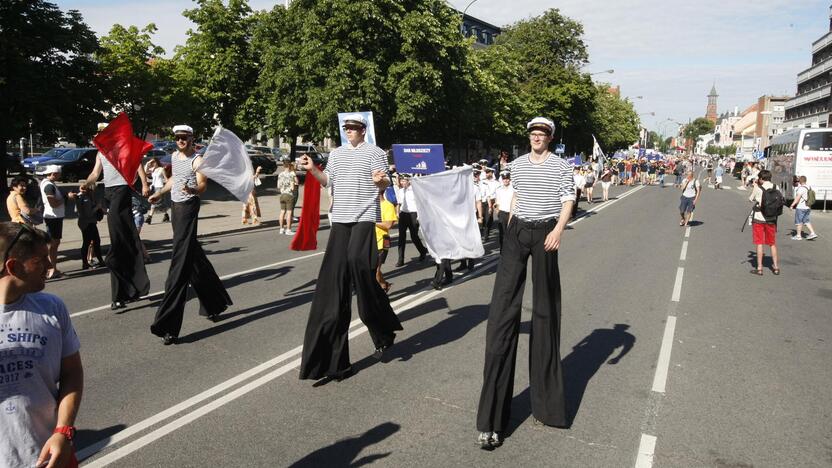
(30, 164)
(13, 164)
(76, 164)
(317, 157)
(265, 161)
(161, 155)
(164, 145)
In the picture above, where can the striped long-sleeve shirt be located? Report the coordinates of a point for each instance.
(349, 172)
(541, 188)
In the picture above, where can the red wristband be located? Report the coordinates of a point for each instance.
(66, 431)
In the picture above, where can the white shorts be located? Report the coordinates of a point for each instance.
(606, 185)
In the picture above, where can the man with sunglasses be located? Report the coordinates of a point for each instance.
(357, 173)
(543, 197)
(41, 376)
(188, 263)
(125, 258)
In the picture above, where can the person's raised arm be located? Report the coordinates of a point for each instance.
(307, 164)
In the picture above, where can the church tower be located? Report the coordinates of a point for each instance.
(710, 113)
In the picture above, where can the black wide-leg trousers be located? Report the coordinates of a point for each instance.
(502, 225)
(409, 222)
(128, 277)
(548, 403)
(350, 261)
(188, 265)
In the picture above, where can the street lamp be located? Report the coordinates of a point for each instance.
(610, 71)
(462, 17)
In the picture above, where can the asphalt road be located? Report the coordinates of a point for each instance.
(713, 366)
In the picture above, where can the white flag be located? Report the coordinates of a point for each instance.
(597, 151)
(226, 162)
(447, 216)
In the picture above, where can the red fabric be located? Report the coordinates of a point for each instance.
(764, 233)
(306, 237)
(121, 148)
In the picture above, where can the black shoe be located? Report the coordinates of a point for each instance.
(436, 286)
(342, 375)
(213, 317)
(117, 305)
(400, 263)
(423, 256)
(462, 267)
(86, 266)
(489, 440)
(470, 266)
(381, 351)
(168, 339)
(149, 220)
(166, 218)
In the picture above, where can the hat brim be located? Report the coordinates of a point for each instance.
(540, 126)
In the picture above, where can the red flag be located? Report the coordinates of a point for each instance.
(306, 237)
(121, 148)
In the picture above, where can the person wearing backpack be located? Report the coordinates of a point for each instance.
(804, 198)
(691, 190)
(768, 205)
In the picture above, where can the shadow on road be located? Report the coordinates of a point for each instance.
(84, 437)
(344, 452)
(579, 367)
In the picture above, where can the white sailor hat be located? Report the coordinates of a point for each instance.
(183, 129)
(483, 161)
(50, 169)
(476, 166)
(505, 175)
(541, 123)
(355, 119)
(488, 169)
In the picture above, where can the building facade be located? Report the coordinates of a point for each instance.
(811, 105)
(770, 118)
(482, 32)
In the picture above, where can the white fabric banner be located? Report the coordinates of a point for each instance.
(227, 163)
(597, 152)
(447, 217)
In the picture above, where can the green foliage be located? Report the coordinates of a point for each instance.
(700, 126)
(615, 121)
(139, 80)
(713, 150)
(47, 75)
(218, 66)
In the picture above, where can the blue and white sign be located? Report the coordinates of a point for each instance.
(560, 148)
(576, 160)
(759, 154)
(642, 152)
(419, 159)
(370, 137)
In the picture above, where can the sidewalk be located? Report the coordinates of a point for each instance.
(219, 213)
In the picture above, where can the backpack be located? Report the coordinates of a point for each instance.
(810, 197)
(772, 204)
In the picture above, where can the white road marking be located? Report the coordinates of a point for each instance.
(687, 232)
(225, 277)
(88, 451)
(727, 187)
(660, 378)
(605, 205)
(684, 254)
(646, 448)
(412, 301)
(677, 285)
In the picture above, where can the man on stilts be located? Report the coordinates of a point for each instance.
(543, 199)
(357, 173)
(125, 260)
(188, 264)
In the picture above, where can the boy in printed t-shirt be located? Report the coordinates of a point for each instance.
(41, 376)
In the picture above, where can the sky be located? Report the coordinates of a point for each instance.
(666, 54)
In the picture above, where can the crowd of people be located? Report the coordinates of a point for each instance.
(530, 200)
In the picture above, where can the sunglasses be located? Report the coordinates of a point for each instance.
(24, 228)
(181, 137)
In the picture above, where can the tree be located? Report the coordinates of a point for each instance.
(217, 64)
(615, 122)
(700, 126)
(47, 75)
(548, 52)
(403, 60)
(140, 81)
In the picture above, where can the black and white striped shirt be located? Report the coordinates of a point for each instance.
(183, 174)
(541, 188)
(349, 172)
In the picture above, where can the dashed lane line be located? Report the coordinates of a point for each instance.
(677, 285)
(646, 448)
(660, 378)
(684, 253)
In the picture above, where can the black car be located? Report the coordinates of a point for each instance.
(264, 161)
(76, 164)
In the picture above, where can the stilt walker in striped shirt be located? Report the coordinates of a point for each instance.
(188, 263)
(357, 173)
(543, 198)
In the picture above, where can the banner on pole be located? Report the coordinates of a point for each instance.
(419, 158)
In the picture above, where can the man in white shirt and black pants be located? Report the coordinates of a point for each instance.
(408, 220)
(357, 173)
(543, 199)
(503, 197)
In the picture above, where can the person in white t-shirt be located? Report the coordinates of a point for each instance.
(691, 189)
(503, 197)
(802, 211)
(41, 376)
